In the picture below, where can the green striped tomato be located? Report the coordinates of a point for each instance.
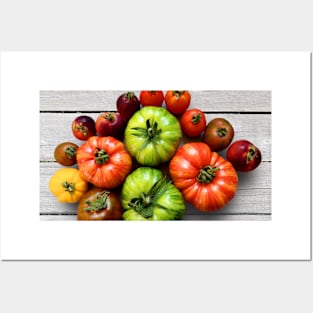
(147, 195)
(152, 135)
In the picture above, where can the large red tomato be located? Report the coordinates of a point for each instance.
(103, 161)
(206, 180)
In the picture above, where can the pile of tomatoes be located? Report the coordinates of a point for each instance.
(118, 172)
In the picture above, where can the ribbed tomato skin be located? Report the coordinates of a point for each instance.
(110, 174)
(185, 167)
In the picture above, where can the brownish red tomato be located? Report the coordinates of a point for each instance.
(99, 204)
(218, 134)
(177, 102)
(193, 122)
(206, 180)
(65, 153)
(110, 124)
(151, 98)
(83, 127)
(244, 155)
(104, 161)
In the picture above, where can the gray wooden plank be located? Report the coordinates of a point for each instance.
(56, 128)
(253, 195)
(213, 217)
(207, 100)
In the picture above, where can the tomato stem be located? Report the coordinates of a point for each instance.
(178, 93)
(130, 95)
(99, 203)
(70, 152)
(207, 174)
(251, 153)
(143, 204)
(109, 117)
(70, 187)
(221, 132)
(152, 130)
(82, 128)
(196, 119)
(101, 156)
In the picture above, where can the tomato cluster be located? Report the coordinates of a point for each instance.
(118, 174)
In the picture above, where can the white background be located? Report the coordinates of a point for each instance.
(287, 236)
(220, 286)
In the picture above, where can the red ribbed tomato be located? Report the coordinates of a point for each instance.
(206, 180)
(103, 161)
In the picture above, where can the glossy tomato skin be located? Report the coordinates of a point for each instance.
(193, 122)
(206, 180)
(110, 124)
(148, 196)
(103, 161)
(177, 102)
(127, 104)
(65, 153)
(244, 155)
(218, 134)
(152, 135)
(83, 127)
(98, 204)
(151, 97)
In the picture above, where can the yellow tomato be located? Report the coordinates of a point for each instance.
(67, 185)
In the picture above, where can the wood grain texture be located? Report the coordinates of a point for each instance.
(248, 111)
(208, 101)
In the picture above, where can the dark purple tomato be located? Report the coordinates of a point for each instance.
(84, 127)
(244, 155)
(127, 104)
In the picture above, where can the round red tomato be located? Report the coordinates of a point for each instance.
(99, 204)
(110, 124)
(193, 122)
(104, 161)
(65, 153)
(83, 127)
(206, 180)
(151, 98)
(177, 102)
(218, 134)
(244, 155)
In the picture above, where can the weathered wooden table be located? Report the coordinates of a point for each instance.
(248, 111)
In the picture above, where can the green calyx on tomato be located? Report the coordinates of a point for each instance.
(99, 203)
(196, 119)
(101, 156)
(178, 93)
(148, 195)
(207, 174)
(143, 204)
(152, 135)
(70, 152)
(70, 187)
(221, 131)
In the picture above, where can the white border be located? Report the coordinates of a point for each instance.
(287, 236)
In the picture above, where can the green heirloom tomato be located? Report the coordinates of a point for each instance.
(147, 195)
(152, 135)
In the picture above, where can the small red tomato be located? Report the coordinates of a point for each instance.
(177, 102)
(83, 127)
(244, 155)
(65, 153)
(193, 122)
(151, 98)
(99, 204)
(218, 134)
(127, 104)
(110, 124)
